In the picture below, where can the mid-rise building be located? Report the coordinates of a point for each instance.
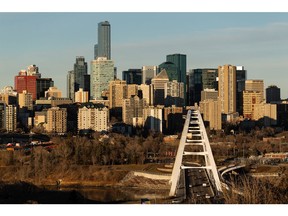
(209, 94)
(24, 82)
(102, 72)
(93, 116)
(81, 96)
(250, 99)
(25, 100)
(117, 92)
(8, 95)
(227, 88)
(173, 120)
(211, 111)
(144, 91)
(53, 92)
(255, 85)
(56, 120)
(43, 84)
(273, 94)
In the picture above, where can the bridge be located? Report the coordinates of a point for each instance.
(194, 175)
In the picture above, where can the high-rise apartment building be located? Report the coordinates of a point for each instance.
(272, 94)
(103, 48)
(2, 115)
(102, 72)
(11, 117)
(25, 100)
(211, 111)
(133, 111)
(56, 120)
(158, 87)
(174, 93)
(153, 118)
(148, 72)
(93, 116)
(255, 85)
(227, 88)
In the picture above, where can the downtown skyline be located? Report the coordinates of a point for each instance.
(51, 41)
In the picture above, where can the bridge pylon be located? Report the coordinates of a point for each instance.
(194, 152)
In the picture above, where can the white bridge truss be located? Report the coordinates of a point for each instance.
(194, 136)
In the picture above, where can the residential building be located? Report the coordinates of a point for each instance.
(117, 92)
(133, 110)
(11, 117)
(56, 120)
(152, 118)
(93, 116)
(227, 88)
(211, 110)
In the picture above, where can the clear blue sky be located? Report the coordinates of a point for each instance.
(257, 41)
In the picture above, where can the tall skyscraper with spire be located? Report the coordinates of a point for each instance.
(103, 48)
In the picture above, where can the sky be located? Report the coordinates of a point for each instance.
(256, 40)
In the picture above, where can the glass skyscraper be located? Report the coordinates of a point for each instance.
(103, 48)
(102, 72)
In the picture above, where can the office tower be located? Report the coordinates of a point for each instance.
(199, 80)
(43, 84)
(158, 87)
(53, 92)
(209, 94)
(117, 92)
(56, 120)
(250, 100)
(10, 117)
(102, 72)
(173, 120)
(272, 94)
(211, 111)
(241, 75)
(148, 72)
(255, 85)
(80, 70)
(171, 70)
(144, 91)
(133, 111)
(132, 76)
(227, 88)
(93, 116)
(103, 48)
(71, 84)
(81, 96)
(174, 93)
(180, 61)
(25, 100)
(2, 115)
(152, 118)
(26, 82)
